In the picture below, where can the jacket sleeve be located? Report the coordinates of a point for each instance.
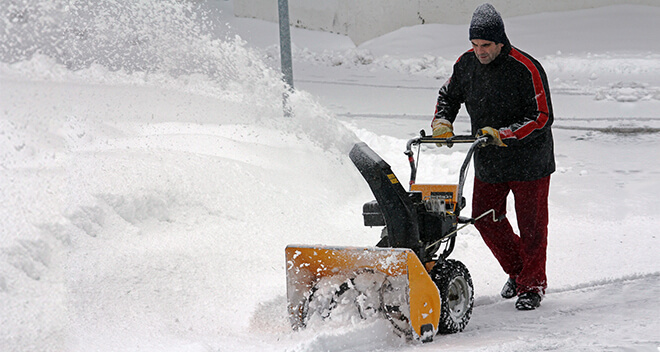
(450, 97)
(537, 109)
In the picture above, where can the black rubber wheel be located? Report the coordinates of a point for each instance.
(456, 294)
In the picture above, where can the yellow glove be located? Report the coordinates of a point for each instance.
(493, 134)
(442, 128)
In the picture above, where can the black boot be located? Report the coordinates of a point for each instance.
(528, 301)
(509, 289)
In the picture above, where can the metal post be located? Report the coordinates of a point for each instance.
(285, 52)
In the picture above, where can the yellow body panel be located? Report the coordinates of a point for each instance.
(425, 301)
(428, 189)
(433, 189)
(305, 265)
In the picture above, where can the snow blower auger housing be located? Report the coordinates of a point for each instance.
(403, 277)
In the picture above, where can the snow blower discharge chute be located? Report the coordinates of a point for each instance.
(407, 277)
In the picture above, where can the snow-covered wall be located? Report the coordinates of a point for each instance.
(362, 20)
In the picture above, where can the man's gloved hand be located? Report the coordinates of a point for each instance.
(442, 128)
(493, 136)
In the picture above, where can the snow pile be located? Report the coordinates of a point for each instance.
(429, 66)
(628, 92)
(163, 173)
(119, 195)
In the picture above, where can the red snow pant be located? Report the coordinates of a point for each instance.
(523, 257)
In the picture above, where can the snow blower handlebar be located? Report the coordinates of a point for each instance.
(449, 142)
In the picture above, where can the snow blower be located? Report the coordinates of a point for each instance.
(406, 277)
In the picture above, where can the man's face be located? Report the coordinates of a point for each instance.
(486, 50)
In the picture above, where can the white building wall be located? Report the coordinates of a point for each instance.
(362, 20)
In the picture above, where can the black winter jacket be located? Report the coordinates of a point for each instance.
(510, 94)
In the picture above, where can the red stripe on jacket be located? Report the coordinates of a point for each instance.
(540, 97)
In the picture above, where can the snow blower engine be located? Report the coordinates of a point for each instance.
(405, 278)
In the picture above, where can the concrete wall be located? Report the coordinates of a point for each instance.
(362, 20)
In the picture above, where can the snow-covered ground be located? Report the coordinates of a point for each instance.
(150, 183)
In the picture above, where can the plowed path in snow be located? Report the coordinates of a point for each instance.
(616, 315)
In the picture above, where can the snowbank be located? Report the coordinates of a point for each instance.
(142, 197)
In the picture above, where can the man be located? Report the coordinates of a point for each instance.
(505, 92)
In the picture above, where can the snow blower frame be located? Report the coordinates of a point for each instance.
(403, 278)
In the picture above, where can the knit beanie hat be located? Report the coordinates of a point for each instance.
(487, 24)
